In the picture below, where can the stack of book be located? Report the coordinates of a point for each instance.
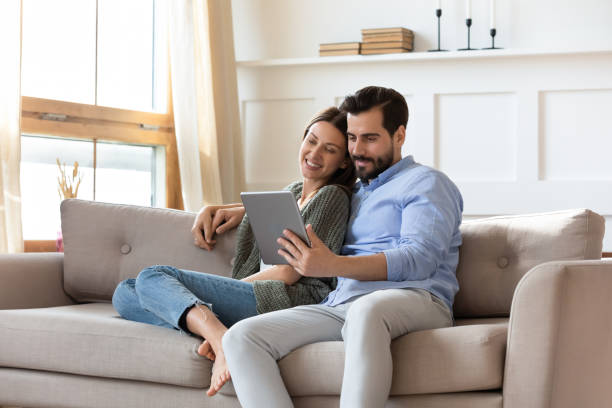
(386, 40)
(343, 48)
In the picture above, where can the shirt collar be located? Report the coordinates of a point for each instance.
(383, 177)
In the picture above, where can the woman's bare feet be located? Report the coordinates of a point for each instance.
(220, 375)
(201, 320)
(206, 350)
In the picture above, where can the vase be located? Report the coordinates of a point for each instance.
(59, 242)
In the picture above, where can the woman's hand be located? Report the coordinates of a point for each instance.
(215, 219)
(283, 273)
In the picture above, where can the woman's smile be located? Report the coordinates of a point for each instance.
(312, 165)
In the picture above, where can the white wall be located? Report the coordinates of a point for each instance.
(295, 28)
(518, 134)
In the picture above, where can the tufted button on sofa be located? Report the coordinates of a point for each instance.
(532, 321)
(502, 262)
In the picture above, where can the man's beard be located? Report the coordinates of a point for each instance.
(381, 164)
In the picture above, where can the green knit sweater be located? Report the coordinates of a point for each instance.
(328, 213)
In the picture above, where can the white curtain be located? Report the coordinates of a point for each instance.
(205, 101)
(11, 238)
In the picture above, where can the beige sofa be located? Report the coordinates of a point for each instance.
(533, 327)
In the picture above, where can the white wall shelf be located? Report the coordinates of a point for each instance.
(419, 56)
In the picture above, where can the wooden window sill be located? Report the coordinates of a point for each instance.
(39, 245)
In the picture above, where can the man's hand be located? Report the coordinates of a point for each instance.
(215, 219)
(317, 261)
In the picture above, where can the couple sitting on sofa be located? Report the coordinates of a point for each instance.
(395, 274)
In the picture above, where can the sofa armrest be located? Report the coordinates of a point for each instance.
(559, 351)
(32, 280)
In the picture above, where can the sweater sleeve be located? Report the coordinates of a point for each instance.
(246, 260)
(328, 214)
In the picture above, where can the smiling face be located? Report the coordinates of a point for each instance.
(322, 152)
(371, 147)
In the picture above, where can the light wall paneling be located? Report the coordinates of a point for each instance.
(576, 134)
(476, 136)
(273, 131)
(420, 133)
(294, 29)
(519, 131)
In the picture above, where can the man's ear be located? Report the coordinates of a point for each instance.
(400, 133)
(345, 163)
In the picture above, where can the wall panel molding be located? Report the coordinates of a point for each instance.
(550, 109)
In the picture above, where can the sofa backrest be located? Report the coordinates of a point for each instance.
(497, 252)
(107, 243)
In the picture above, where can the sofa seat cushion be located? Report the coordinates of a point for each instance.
(482, 320)
(91, 339)
(453, 359)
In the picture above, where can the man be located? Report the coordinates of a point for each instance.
(396, 273)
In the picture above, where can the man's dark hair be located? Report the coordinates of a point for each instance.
(391, 103)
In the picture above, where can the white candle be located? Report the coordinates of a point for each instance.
(468, 9)
(492, 11)
(439, 4)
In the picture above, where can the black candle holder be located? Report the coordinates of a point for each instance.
(438, 15)
(468, 23)
(492, 47)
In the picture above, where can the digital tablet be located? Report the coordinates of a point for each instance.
(269, 214)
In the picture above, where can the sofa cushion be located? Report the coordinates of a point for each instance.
(107, 243)
(91, 339)
(453, 359)
(482, 320)
(497, 252)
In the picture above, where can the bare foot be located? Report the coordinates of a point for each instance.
(201, 320)
(206, 350)
(220, 375)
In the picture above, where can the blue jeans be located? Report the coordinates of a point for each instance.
(161, 295)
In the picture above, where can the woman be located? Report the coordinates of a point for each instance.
(205, 304)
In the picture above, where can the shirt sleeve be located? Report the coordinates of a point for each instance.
(430, 218)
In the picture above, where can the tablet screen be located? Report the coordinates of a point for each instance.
(269, 214)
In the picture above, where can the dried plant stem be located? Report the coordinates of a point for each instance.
(68, 186)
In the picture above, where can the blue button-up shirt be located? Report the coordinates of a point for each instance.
(411, 213)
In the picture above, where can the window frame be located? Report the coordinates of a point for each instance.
(101, 123)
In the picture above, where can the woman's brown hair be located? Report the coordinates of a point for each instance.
(344, 178)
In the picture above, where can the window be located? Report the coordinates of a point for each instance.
(129, 174)
(105, 52)
(95, 88)
(59, 50)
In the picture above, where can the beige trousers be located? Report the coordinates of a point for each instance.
(366, 324)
